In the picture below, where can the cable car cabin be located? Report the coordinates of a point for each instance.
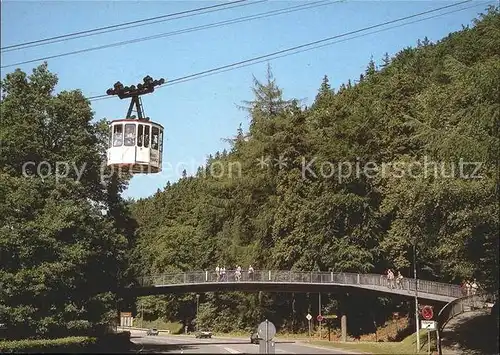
(136, 146)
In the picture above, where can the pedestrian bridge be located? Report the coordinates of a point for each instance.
(292, 281)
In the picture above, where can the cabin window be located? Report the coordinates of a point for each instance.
(140, 135)
(146, 136)
(117, 135)
(155, 131)
(130, 134)
(160, 140)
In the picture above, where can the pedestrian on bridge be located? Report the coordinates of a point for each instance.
(217, 272)
(474, 286)
(467, 287)
(399, 280)
(237, 274)
(390, 278)
(250, 273)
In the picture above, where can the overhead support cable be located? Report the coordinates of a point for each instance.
(111, 28)
(312, 45)
(186, 30)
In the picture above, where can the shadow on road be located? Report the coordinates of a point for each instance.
(177, 347)
(473, 336)
(145, 347)
(160, 348)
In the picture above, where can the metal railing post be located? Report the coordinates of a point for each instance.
(358, 279)
(185, 277)
(206, 276)
(331, 276)
(269, 275)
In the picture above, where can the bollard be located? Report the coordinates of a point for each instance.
(343, 327)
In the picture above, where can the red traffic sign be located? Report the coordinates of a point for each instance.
(319, 318)
(427, 312)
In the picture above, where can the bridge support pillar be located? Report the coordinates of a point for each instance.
(343, 327)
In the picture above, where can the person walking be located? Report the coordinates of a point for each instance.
(474, 286)
(399, 280)
(250, 273)
(390, 279)
(223, 273)
(238, 273)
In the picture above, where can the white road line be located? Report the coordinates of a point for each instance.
(232, 351)
(332, 349)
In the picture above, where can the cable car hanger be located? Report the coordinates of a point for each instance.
(123, 92)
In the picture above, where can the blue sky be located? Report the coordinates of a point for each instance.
(197, 114)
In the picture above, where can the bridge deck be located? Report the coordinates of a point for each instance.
(294, 281)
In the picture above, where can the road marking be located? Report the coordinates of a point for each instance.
(232, 351)
(332, 349)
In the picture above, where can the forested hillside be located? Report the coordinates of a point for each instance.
(414, 149)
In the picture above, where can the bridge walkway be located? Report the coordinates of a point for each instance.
(296, 281)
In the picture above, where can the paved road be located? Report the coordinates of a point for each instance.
(191, 345)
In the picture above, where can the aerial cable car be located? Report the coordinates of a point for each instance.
(135, 143)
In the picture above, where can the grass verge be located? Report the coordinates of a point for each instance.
(407, 346)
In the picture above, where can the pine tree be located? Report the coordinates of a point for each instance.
(268, 103)
(325, 94)
(386, 60)
(371, 69)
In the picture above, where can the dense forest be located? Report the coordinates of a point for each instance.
(422, 128)
(64, 232)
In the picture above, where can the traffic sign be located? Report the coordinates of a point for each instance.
(428, 324)
(427, 312)
(266, 330)
(309, 317)
(319, 318)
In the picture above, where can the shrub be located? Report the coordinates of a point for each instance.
(69, 344)
(110, 342)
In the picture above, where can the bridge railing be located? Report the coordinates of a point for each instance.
(459, 306)
(308, 277)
